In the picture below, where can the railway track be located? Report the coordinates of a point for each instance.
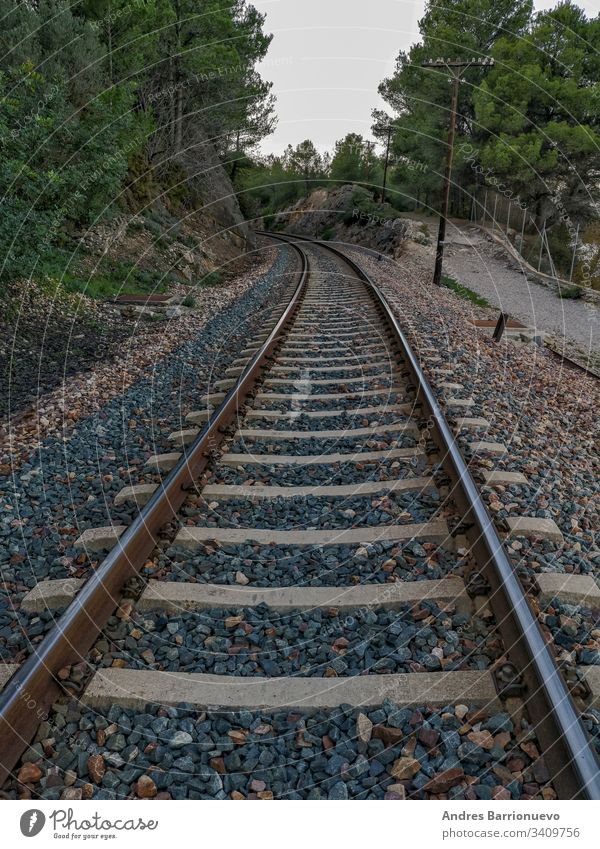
(314, 547)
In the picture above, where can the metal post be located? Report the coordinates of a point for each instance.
(387, 159)
(439, 254)
(484, 209)
(508, 220)
(574, 254)
(500, 326)
(494, 213)
(523, 233)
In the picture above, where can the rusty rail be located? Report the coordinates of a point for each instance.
(566, 747)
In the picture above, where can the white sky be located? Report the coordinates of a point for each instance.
(327, 58)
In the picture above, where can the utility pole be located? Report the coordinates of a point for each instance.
(455, 67)
(389, 129)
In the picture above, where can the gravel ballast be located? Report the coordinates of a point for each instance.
(386, 753)
(68, 484)
(317, 512)
(264, 566)
(260, 642)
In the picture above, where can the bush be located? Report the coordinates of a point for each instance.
(213, 278)
(573, 293)
(464, 291)
(328, 234)
(60, 166)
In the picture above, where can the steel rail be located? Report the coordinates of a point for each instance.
(567, 749)
(586, 369)
(29, 694)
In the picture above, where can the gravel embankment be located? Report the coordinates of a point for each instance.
(544, 412)
(68, 484)
(122, 353)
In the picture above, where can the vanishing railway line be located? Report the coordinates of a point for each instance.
(338, 462)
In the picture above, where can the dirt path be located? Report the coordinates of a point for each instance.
(484, 267)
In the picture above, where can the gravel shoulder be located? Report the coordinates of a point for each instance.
(545, 413)
(118, 353)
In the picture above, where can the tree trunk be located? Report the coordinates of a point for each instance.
(234, 166)
(178, 115)
(172, 109)
(109, 44)
(178, 135)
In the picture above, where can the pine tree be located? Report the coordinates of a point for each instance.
(420, 97)
(305, 160)
(540, 108)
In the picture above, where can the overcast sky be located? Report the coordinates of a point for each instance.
(327, 58)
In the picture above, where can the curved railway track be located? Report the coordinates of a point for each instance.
(333, 444)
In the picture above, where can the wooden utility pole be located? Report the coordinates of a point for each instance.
(455, 67)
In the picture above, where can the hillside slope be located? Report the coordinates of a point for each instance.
(349, 213)
(63, 320)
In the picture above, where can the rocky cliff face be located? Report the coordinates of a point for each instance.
(219, 219)
(188, 231)
(349, 214)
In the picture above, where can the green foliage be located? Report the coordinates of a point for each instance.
(106, 104)
(464, 292)
(573, 293)
(328, 234)
(213, 278)
(60, 168)
(61, 274)
(540, 109)
(527, 128)
(274, 183)
(189, 301)
(305, 161)
(354, 161)
(419, 97)
(363, 209)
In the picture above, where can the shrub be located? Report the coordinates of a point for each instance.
(213, 278)
(573, 293)
(464, 291)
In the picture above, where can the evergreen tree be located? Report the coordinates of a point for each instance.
(305, 160)
(540, 107)
(420, 97)
(354, 160)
